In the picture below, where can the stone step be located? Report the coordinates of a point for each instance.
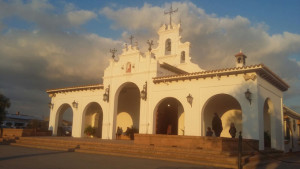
(127, 148)
(122, 148)
(165, 153)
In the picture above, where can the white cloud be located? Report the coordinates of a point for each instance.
(49, 56)
(216, 39)
(80, 17)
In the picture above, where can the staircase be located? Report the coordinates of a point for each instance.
(129, 149)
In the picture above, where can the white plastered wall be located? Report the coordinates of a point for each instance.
(83, 98)
(268, 91)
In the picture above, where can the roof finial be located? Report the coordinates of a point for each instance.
(131, 38)
(241, 51)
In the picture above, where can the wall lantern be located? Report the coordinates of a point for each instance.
(106, 94)
(248, 95)
(50, 105)
(75, 104)
(144, 92)
(189, 99)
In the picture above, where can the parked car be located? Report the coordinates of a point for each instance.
(67, 130)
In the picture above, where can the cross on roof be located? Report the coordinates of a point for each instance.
(170, 12)
(150, 43)
(131, 37)
(113, 51)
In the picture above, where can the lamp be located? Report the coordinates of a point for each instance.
(50, 105)
(144, 92)
(189, 99)
(106, 94)
(75, 104)
(248, 95)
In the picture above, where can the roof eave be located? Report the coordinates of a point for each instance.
(75, 88)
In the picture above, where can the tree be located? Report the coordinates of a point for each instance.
(4, 104)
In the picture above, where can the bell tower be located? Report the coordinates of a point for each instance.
(240, 59)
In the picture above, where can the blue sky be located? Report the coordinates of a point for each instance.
(53, 44)
(279, 15)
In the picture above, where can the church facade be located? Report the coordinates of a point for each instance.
(162, 92)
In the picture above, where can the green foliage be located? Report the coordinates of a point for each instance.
(4, 104)
(89, 130)
(130, 132)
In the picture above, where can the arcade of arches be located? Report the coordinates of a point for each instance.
(169, 113)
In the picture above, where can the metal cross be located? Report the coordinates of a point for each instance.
(150, 43)
(131, 37)
(113, 51)
(170, 13)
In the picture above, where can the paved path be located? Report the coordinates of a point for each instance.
(13, 157)
(290, 161)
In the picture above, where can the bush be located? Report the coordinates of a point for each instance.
(89, 130)
(130, 132)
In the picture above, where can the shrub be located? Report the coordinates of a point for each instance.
(89, 130)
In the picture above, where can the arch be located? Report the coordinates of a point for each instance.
(168, 47)
(169, 117)
(182, 57)
(64, 121)
(227, 108)
(127, 99)
(93, 116)
(268, 113)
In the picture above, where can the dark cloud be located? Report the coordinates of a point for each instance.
(51, 55)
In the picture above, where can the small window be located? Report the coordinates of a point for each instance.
(182, 57)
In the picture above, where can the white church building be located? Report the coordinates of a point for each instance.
(161, 90)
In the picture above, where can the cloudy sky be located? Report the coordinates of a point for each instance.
(53, 44)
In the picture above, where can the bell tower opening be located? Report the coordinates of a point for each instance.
(240, 59)
(168, 46)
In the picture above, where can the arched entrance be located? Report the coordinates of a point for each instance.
(268, 111)
(64, 118)
(128, 110)
(93, 116)
(170, 117)
(227, 108)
